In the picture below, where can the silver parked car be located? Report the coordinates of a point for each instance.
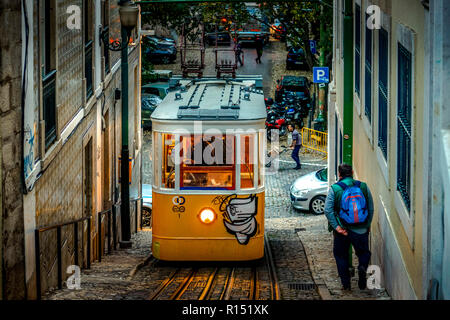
(310, 191)
(147, 205)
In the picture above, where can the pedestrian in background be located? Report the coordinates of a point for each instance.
(239, 53)
(296, 145)
(349, 210)
(259, 49)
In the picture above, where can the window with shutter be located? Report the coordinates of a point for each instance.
(383, 65)
(368, 74)
(357, 49)
(404, 125)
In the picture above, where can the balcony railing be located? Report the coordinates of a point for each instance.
(49, 100)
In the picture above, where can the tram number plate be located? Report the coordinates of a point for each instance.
(178, 209)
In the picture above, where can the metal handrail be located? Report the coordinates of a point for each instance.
(315, 140)
(112, 233)
(136, 212)
(110, 212)
(58, 228)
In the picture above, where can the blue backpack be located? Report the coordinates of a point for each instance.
(353, 209)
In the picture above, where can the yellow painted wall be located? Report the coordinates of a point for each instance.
(365, 160)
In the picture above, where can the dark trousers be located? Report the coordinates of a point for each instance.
(238, 59)
(341, 253)
(295, 156)
(259, 53)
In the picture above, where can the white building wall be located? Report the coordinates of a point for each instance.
(437, 221)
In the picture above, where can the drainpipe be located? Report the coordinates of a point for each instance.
(322, 93)
(125, 187)
(347, 151)
(347, 117)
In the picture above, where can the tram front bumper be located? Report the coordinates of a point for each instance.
(207, 249)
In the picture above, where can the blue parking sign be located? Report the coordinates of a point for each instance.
(312, 46)
(321, 74)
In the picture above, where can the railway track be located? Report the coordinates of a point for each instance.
(256, 281)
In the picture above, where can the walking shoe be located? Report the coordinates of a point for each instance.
(346, 289)
(297, 167)
(362, 281)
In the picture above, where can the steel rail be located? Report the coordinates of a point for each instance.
(254, 285)
(164, 285)
(274, 288)
(184, 285)
(228, 286)
(206, 293)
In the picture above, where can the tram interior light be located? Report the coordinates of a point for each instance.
(207, 216)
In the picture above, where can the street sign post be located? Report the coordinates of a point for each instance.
(321, 74)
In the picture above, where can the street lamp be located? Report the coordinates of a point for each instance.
(129, 13)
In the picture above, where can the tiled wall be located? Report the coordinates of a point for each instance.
(59, 189)
(69, 65)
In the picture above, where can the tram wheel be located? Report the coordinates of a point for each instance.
(317, 205)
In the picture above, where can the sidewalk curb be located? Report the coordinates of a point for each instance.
(139, 266)
(322, 288)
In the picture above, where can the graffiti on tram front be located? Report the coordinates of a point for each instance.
(239, 216)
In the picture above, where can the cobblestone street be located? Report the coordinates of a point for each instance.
(300, 244)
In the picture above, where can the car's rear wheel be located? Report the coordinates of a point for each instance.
(147, 218)
(317, 205)
(165, 60)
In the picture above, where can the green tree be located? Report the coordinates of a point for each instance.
(190, 15)
(301, 19)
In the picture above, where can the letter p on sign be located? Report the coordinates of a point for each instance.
(321, 74)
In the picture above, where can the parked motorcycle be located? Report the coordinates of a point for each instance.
(275, 122)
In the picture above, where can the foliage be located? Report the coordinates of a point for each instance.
(189, 15)
(301, 19)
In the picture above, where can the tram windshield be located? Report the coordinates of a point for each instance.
(207, 162)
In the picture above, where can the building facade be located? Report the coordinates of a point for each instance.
(62, 130)
(396, 128)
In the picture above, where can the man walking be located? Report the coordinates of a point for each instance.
(349, 210)
(295, 146)
(238, 54)
(259, 49)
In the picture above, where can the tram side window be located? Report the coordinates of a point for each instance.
(261, 151)
(168, 165)
(207, 162)
(247, 161)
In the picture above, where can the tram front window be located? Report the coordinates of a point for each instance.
(168, 165)
(207, 162)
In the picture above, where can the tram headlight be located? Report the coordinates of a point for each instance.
(207, 216)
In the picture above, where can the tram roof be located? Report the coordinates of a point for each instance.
(209, 99)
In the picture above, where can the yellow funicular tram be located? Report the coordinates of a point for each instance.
(208, 172)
